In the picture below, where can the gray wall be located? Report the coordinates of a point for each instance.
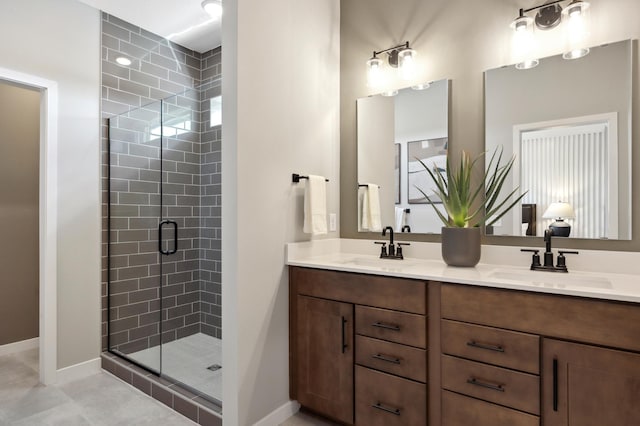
(19, 172)
(459, 40)
(191, 187)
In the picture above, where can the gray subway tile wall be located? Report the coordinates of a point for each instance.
(190, 171)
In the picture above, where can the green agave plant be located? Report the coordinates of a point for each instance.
(459, 196)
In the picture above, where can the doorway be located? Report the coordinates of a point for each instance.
(46, 152)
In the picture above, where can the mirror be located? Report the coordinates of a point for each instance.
(392, 132)
(569, 124)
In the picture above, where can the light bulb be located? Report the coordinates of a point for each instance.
(523, 43)
(374, 72)
(407, 65)
(576, 29)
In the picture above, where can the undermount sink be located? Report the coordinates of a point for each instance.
(378, 263)
(552, 279)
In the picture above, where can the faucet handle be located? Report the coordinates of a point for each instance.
(535, 259)
(383, 249)
(562, 260)
(399, 249)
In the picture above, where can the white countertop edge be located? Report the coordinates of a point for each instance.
(329, 255)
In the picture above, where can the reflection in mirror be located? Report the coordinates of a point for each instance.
(569, 124)
(392, 132)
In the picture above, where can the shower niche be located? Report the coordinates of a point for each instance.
(164, 239)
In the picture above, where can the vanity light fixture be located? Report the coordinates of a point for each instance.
(400, 56)
(559, 211)
(213, 8)
(549, 16)
(124, 61)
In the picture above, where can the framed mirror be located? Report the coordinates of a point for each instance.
(392, 132)
(569, 124)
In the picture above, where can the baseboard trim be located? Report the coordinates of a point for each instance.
(23, 345)
(78, 371)
(279, 415)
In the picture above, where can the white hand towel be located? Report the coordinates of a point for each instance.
(371, 209)
(315, 206)
(399, 218)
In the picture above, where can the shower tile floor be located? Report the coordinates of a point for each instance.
(97, 400)
(187, 360)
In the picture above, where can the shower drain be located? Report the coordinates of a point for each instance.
(214, 367)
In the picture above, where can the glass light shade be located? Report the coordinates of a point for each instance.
(577, 17)
(421, 86)
(523, 45)
(559, 210)
(389, 93)
(213, 8)
(374, 72)
(406, 63)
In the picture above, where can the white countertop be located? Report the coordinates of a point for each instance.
(359, 256)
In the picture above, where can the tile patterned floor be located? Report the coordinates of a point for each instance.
(98, 400)
(186, 360)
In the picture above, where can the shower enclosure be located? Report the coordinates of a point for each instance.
(164, 238)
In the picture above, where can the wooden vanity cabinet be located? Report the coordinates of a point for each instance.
(589, 386)
(358, 347)
(523, 359)
(325, 356)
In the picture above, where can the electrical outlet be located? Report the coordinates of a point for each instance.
(332, 222)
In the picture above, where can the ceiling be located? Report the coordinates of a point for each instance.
(182, 21)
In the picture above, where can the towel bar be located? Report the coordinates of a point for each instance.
(295, 178)
(364, 185)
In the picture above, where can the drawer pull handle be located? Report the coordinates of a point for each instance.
(386, 358)
(343, 324)
(495, 348)
(476, 382)
(386, 326)
(555, 384)
(391, 410)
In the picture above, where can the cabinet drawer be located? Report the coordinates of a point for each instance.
(399, 327)
(393, 358)
(607, 323)
(386, 400)
(372, 290)
(505, 387)
(510, 349)
(458, 410)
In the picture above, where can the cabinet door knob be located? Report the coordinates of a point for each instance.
(343, 324)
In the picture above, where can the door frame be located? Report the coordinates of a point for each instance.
(48, 209)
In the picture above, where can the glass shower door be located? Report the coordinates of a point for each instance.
(135, 213)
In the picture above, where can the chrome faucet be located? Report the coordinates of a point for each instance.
(561, 265)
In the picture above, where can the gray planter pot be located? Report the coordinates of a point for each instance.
(461, 246)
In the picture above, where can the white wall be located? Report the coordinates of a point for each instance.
(60, 41)
(281, 112)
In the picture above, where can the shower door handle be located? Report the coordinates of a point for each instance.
(175, 237)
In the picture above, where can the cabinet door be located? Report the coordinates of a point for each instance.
(589, 386)
(325, 357)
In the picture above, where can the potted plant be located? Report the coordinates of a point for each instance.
(466, 212)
